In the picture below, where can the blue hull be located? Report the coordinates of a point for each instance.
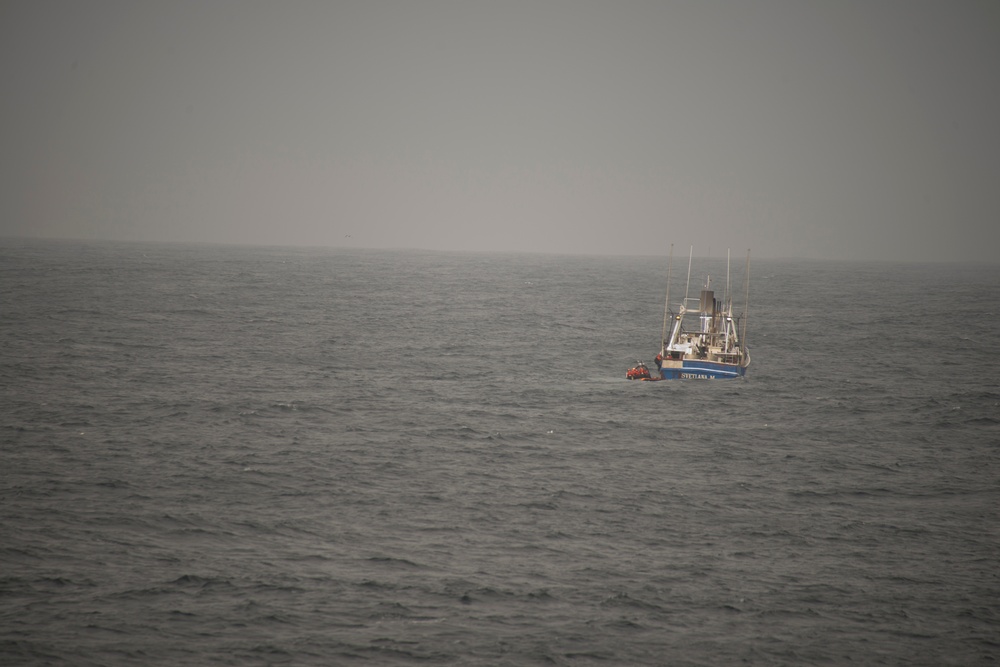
(703, 370)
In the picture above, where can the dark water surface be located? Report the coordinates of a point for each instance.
(225, 455)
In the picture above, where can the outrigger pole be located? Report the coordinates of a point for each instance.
(666, 303)
(688, 286)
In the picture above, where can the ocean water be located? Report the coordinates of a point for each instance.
(265, 456)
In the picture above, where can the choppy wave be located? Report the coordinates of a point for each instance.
(268, 456)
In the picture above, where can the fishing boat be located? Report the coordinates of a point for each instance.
(715, 347)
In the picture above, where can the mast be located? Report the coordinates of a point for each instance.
(666, 303)
(726, 299)
(746, 305)
(727, 306)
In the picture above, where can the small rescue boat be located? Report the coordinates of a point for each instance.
(638, 372)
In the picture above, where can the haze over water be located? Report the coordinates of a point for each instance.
(385, 419)
(842, 130)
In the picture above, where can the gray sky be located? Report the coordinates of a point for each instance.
(836, 129)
